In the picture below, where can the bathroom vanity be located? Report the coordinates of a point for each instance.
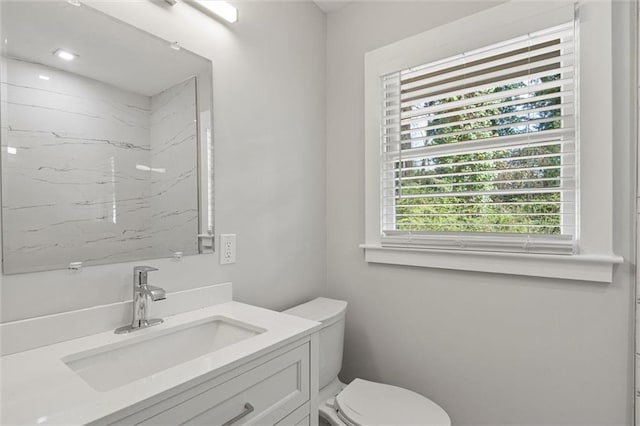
(272, 389)
(226, 364)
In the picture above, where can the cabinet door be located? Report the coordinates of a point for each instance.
(262, 395)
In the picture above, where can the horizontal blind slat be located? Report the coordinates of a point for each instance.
(546, 65)
(487, 225)
(564, 48)
(465, 91)
(476, 214)
(520, 191)
(427, 167)
(566, 96)
(524, 122)
(566, 108)
(564, 32)
(481, 145)
(487, 183)
(479, 204)
(475, 173)
(525, 92)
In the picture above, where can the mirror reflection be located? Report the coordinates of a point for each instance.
(106, 150)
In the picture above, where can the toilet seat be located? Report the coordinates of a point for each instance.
(364, 403)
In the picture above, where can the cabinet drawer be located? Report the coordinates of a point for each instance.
(300, 417)
(304, 422)
(264, 394)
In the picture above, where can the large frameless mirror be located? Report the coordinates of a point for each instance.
(106, 141)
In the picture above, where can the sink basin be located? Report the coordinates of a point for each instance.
(114, 365)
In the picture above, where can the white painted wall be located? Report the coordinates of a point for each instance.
(269, 131)
(636, 64)
(491, 349)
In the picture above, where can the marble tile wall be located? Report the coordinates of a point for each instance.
(174, 186)
(74, 185)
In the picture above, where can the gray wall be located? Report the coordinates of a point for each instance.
(269, 136)
(491, 349)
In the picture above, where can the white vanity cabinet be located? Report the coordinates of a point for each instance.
(228, 363)
(275, 388)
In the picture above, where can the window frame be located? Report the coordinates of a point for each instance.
(594, 260)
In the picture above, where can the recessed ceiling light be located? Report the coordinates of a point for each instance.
(74, 3)
(63, 54)
(175, 46)
(12, 150)
(44, 77)
(220, 8)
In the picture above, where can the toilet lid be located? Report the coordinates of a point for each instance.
(364, 403)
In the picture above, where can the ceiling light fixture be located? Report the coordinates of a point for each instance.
(221, 9)
(63, 54)
(44, 77)
(74, 3)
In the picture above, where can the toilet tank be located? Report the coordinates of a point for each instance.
(331, 314)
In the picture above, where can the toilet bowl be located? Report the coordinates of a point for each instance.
(360, 403)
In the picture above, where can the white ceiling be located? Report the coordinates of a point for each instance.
(109, 50)
(330, 5)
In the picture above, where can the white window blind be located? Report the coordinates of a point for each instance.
(479, 150)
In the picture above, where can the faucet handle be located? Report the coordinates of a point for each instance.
(137, 269)
(140, 274)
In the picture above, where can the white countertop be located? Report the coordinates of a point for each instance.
(39, 388)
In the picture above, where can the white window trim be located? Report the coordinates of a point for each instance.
(595, 260)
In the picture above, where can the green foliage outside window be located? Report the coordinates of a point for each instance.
(473, 192)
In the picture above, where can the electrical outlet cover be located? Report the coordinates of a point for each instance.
(227, 249)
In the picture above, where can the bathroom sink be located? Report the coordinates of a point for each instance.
(117, 364)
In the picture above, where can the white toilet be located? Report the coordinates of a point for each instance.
(360, 403)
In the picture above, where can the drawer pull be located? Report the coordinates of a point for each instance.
(248, 408)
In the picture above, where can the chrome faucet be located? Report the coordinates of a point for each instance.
(143, 295)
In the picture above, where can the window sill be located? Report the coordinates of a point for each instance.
(584, 267)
